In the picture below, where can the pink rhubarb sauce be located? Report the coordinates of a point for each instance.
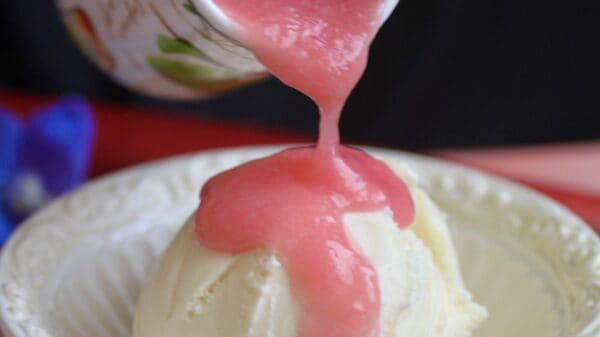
(293, 202)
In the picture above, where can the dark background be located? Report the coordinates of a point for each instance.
(442, 73)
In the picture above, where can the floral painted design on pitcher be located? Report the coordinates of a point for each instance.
(162, 48)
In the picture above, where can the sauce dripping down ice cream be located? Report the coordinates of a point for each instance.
(293, 202)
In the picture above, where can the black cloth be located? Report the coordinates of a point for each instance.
(442, 73)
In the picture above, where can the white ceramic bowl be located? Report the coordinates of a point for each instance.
(76, 267)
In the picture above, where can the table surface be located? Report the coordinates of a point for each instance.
(128, 135)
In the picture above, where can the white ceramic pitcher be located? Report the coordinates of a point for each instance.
(178, 49)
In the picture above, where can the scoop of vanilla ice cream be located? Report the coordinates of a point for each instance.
(422, 291)
(197, 292)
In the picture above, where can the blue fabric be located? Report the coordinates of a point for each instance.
(10, 131)
(57, 144)
(54, 146)
(6, 228)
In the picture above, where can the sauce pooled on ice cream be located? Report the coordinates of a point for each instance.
(293, 202)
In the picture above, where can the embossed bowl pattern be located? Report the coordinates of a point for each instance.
(76, 267)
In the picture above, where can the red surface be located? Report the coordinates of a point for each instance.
(571, 166)
(129, 135)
